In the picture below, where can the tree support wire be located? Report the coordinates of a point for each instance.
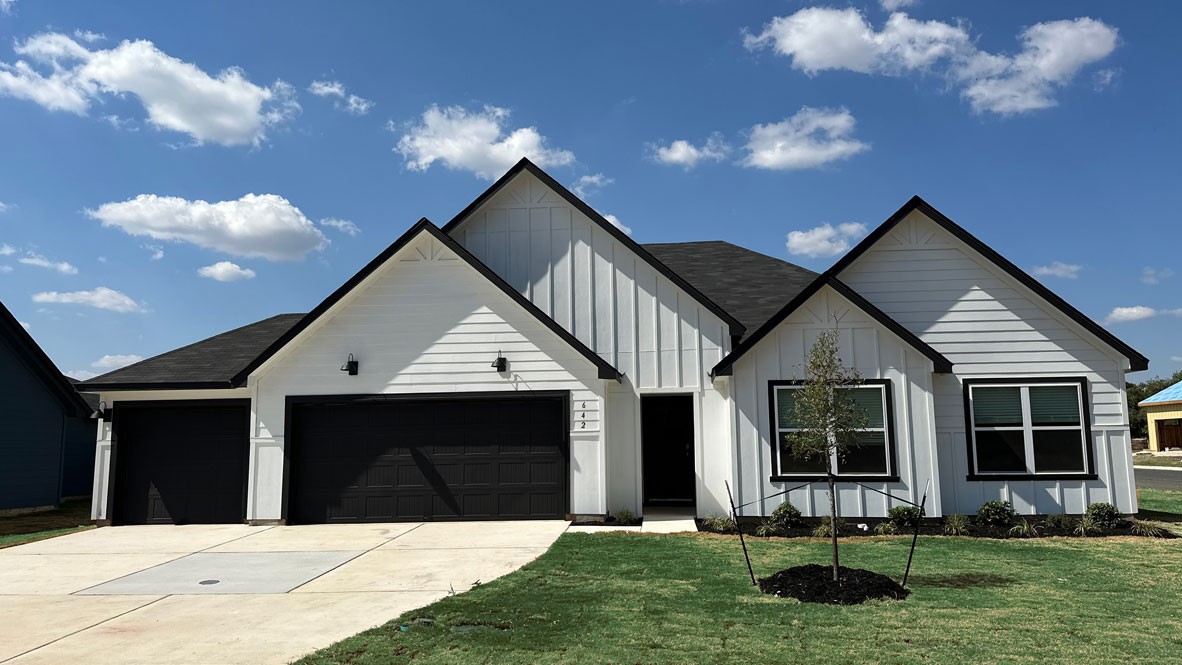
(735, 517)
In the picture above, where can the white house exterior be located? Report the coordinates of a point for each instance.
(630, 375)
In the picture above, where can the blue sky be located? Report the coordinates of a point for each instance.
(171, 171)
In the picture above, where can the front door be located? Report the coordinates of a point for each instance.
(667, 441)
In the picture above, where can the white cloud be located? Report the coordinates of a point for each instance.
(1058, 269)
(474, 141)
(5, 269)
(1137, 313)
(809, 139)
(88, 36)
(615, 221)
(156, 250)
(227, 109)
(255, 226)
(342, 225)
(80, 374)
(687, 155)
(224, 271)
(6, 6)
(1151, 275)
(24, 324)
(825, 240)
(100, 298)
(39, 261)
(327, 89)
(1106, 78)
(1177, 359)
(352, 104)
(3, 207)
(1051, 55)
(894, 5)
(7, 250)
(589, 184)
(357, 105)
(124, 124)
(110, 362)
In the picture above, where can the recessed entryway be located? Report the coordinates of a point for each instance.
(667, 447)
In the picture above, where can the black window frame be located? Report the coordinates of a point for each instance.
(892, 474)
(1089, 443)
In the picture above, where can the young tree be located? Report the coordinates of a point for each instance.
(828, 417)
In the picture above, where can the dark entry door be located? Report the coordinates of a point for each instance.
(180, 463)
(667, 441)
(386, 460)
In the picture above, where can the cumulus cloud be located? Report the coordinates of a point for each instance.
(615, 221)
(88, 36)
(111, 362)
(24, 324)
(824, 240)
(3, 207)
(61, 74)
(255, 226)
(342, 225)
(156, 250)
(476, 141)
(894, 5)
(5, 269)
(1051, 54)
(225, 271)
(1177, 359)
(346, 102)
(687, 155)
(589, 184)
(1106, 78)
(100, 298)
(1138, 313)
(6, 6)
(809, 139)
(1151, 275)
(31, 259)
(80, 374)
(1058, 269)
(7, 250)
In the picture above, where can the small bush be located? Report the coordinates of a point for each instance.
(825, 528)
(1025, 529)
(1059, 522)
(1086, 526)
(626, 518)
(996, 514)
(886, 529)
(1149, 529)
(786, 516)
(956, 525)
(905, 517)
(766, 530)
(715, 524)
(1105, 516)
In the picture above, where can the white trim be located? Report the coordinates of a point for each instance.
(1028, 428)
(834, 462)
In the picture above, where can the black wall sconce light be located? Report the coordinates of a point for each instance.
(501, 363)
(350, 366)
(102, 411)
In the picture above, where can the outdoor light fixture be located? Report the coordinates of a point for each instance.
(103, 411)
(501, 363)
(350, 366)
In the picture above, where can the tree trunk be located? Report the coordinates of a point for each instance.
(833, 522)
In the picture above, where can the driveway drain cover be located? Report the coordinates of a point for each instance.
(209, 581)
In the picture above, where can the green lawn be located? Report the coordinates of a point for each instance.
(1164, 505)
(1146, 460)
(20, 529)
(630, 598)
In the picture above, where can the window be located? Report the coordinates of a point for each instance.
(870, 456)
(1028, 427)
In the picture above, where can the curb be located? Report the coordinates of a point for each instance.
(1159, 468)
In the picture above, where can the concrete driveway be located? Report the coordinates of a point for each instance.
(238, 594)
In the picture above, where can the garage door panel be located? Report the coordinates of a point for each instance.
(463, 458)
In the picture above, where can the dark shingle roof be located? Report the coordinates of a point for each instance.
(750, 286)
(210, 363)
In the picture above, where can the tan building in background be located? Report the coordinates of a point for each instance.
(1163, 415)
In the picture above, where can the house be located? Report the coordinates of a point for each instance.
(1163, 418)
(530, 360)
(46, 435)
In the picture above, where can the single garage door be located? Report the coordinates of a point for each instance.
(181, 463)
(451, 458)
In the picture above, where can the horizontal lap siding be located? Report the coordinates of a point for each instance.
(989, 325)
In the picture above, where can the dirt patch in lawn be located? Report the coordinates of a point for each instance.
(814, 583)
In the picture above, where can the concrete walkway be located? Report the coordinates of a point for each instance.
(238, 594)
(656, 520)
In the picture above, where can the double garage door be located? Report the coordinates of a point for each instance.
(356, 460)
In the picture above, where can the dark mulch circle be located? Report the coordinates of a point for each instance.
(814, 584)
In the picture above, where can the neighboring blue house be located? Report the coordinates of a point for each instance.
(46, 434)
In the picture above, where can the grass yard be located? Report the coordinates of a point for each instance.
(20, 529)
(1146, 460)
(630, 598)
(1163, 505)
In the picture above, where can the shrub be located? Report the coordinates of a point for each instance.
(1025, 529)
(956, 525)
(786, 516)
(997, 514)
(1086, 526)
(715, 524)
(906, 517)
(1059, 522)
(1105, 516)
(886, 529)
(626, 518)
(766, 530)
(1141, 528)
(825, 528)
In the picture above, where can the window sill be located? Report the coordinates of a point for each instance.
(1037, 476)
(839, 478)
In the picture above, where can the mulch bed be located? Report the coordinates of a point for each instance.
(814, 583)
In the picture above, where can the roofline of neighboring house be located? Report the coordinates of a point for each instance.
(736, 329)
(1137, 361)
(606, 370)
(725, 366)
(1173, 402)
(50, 375)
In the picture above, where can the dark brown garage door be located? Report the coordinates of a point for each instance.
(180, 463)
(428, 459)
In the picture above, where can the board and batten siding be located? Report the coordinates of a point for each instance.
(877, 354)
(662, 338)
(990, 325)
(31, 431)
(426, 322)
